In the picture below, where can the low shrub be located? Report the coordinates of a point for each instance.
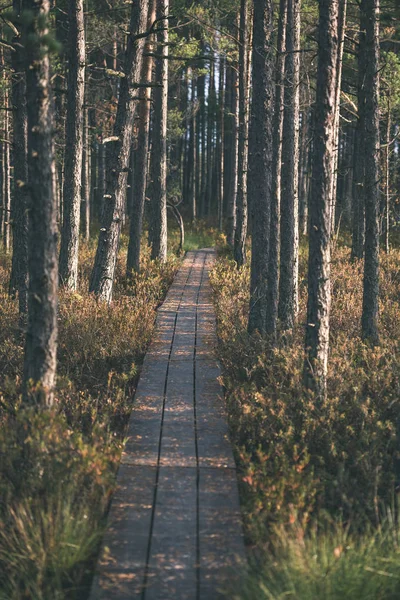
(57, 468)
(298, 458)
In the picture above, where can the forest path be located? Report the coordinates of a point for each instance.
(174, 529)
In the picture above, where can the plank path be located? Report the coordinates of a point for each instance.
(174, 528)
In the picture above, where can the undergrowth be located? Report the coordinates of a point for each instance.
(303, 462)
(55, 486)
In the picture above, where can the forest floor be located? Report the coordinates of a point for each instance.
(55, 490)
(318, 481)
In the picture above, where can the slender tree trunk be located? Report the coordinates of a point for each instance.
(358, 209)
(372, 141)
(19, 271)
(85, 186)
(159, 150)
(221, 138)
(274, 236)
(386, 212)
(103, 274)
(233, 162)
(210, 140)
(260, 162)
(193, 158)
(41, 335)
(74, 147)
(319, 286)
(141, 158)
(289, 265)
(7, 175)
(201, 86)
(239, 250)
(342, 32)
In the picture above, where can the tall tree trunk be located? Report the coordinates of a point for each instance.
(159, 150)
(201, 86)
(19, 270)
(74, 147)
(141, 157)
(319, 286)
(289, 265)
(239, 250)
(358, 208)
(193, 157)
(7, 175)
(260, 162)
(274, 236)
(370, 8)
(103, 274)
(210, 140)
(342, 32)
(221, 139)
(232, 172)
(41, 335)
(386, 211)
(85, 185)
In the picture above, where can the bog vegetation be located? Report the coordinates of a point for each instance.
(133, 131)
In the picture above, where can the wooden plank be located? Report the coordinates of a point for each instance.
(172, 566)
(222, 553)
(123, 557)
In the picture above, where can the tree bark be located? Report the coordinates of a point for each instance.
(231, 190)
(260, 162)
(74, 148)
(141, 158)
(358, 208)
(274, 235)
(41, 335)
(103, 274)
(289, 255)
(239, 250)
(342, 32)
(370, 8)
(159, 150)
(319, 286)
(19, 270)
(85, 185)
(7, 175)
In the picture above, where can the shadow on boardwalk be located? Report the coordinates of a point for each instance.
(174, 529)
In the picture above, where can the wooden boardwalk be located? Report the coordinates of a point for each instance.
(174, 529)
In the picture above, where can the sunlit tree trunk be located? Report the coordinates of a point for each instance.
(370, 8)
(141, 157)
(289, 254)
(159, 148)
(274, 236)
(319, 285)
(239, 250)
(68, 269)
(103, 274)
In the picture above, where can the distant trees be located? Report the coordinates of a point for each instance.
(145, 111)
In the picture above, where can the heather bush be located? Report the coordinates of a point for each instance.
(300, 458)
(57, 468)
